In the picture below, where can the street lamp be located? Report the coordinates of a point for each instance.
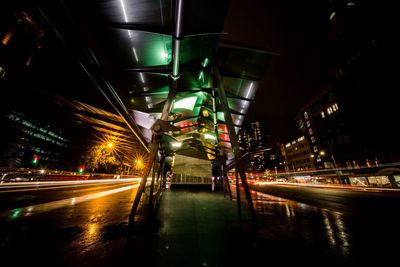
(139, 165)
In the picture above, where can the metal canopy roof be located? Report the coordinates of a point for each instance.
(139, 52)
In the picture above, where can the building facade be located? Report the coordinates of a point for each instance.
(298, 155)
(30, 144)
(253, 144)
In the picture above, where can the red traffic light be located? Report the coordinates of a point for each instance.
(81, 169)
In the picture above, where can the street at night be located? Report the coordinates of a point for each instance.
(51, 226)
(86, 225)
(198, 133)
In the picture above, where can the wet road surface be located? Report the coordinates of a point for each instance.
(59, 225)
(87, 226)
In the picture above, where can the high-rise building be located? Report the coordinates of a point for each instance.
(252, 137)
(252, 141)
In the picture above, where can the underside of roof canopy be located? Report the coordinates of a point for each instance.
(138, 51)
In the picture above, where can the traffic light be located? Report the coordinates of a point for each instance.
(35, 159)
(81, 169)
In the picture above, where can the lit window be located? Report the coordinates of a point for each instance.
(310, 131)
(312, 139)
(336, 106)
(308, 123)
(315, 149)
(322, 114)
(305, 114)
(332, 15)
(329, 110)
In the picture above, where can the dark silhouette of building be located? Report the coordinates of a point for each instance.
(353, 120)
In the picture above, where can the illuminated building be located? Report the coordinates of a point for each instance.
(252, 141)
(298, 155)
(27, 143)
(252, 137)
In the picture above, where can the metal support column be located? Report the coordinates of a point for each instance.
(173, 84)
(233, 138)
(143, 181)
(239, 207)
(153, 178)
(225, 173)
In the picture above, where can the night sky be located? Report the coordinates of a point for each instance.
(297, 31)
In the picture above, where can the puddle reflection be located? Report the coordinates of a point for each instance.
(323, 228)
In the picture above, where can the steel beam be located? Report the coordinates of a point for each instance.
(233, 138)
(173, 84)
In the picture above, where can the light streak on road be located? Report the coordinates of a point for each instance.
(40, 208)
(349, 187)
(26, 186)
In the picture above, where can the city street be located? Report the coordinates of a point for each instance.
(86, 225)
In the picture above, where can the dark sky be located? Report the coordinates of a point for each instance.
(296, 31)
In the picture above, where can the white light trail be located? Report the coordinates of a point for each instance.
(134, 53)
(123, 10)
(40, 208)
(249, 90)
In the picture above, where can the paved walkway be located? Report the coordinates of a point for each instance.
(195, 228)
(201, 228)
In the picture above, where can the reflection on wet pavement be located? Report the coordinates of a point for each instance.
(195, 229)
(318, 228)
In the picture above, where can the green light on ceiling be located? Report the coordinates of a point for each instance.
(205, 62)
(221, 116)
(164, 55)
(186, 103)
(156, 50)
(201, 76)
